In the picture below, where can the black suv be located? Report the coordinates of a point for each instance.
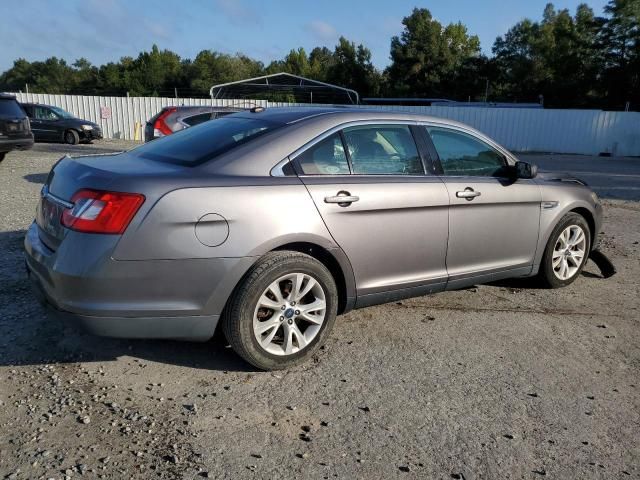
(53, 124)
(15, 131)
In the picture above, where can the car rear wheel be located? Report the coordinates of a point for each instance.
(71, 137)
(282, 312)
(567, 251)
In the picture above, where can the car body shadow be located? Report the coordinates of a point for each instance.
(32, 335)
(36, 177)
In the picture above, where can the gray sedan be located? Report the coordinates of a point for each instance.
(272, 222)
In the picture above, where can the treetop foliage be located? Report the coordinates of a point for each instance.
(577, 60)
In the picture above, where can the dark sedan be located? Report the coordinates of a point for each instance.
(53, 124)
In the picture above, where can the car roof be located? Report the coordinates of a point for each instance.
(204, 107)
(7, 96)
(292, 115)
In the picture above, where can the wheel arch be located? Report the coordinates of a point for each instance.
(547, 225)
(338, 265)
(69, 129)
(588, 216)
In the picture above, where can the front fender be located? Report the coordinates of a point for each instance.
(565, 199)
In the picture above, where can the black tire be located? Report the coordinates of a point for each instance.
(71, 137)
(2, 154)
(547, 276)
(237, 319)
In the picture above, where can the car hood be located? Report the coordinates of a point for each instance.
(565, 177)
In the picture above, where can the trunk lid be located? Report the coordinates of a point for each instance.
(121, 172)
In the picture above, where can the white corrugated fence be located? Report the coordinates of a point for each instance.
(588, 132)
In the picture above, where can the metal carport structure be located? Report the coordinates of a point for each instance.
(285, 87)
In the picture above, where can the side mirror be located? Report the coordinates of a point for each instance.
(526, 170)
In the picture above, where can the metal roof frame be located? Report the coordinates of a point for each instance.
(304, 82)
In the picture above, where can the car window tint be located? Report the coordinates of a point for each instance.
(463, 154)
(383, 150)
(199, 144)
(43, 113)
(10, 108)
(196, 119)
(326, 157)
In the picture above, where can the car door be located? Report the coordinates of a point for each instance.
(493, 217)
(45, 121)
(390, 218)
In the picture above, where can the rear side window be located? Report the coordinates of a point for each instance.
(204, 142)
(383, 150)
(197, 119)
(10, 108)
(326, 157)
(463, 155)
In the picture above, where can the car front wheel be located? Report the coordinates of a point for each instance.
(567, 251)
(71, 137)
(282, 312)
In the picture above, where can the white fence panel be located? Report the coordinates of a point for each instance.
(588, 132)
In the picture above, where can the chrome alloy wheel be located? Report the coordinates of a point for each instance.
(289, 314)
(569, 252)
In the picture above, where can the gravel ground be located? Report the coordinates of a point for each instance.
(499, 381)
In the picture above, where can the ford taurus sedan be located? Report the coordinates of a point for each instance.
(272, 222)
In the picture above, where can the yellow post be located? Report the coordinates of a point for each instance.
(136, 133)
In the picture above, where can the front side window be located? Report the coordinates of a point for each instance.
(383, 150)
(464, 155)
(43, 113)
(326, 157)
(61, 113)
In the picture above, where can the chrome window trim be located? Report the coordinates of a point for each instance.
(276, 171)
(337, 128)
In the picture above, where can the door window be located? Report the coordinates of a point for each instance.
(327, 157)
(464, 155)
(42, 113)
(196, 119)
(383, 150)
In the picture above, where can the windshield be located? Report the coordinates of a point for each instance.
(204, 142)
(61, 113)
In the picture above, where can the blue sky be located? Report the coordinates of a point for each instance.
(105, 30)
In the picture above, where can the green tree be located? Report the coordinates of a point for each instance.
(427, 57)
(621, 42)
(557, 58)
(351, 67)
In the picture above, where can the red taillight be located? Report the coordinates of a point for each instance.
(160, 125)
(95, 211)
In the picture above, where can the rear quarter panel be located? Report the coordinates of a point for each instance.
(256, 219)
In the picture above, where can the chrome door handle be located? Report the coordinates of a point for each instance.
(468, 193)
(344, 199)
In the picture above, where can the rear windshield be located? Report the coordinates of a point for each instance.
(204, 142)
(10, 108)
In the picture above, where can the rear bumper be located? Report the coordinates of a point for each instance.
(196, 328)
(7, 144)
(176, 299)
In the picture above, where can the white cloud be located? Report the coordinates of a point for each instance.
(323, 31)
(237, 12)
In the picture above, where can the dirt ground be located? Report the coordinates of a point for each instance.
(498, 381)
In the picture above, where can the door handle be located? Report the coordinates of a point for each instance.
(343, 198)
(468, 193)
